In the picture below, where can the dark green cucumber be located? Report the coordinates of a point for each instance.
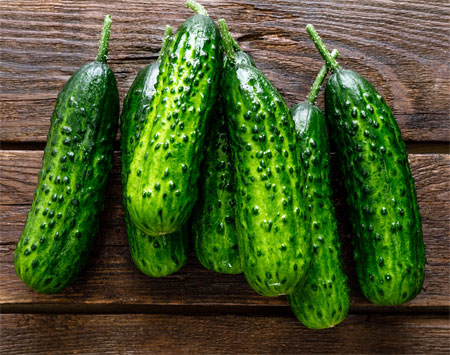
(64, 216)
(154, 256)
(165, 165)
(157, 256)
(214, 228)
(388, 244)
(273, 239)
(323, 301)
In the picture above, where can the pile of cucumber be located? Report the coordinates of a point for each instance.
(212, 156)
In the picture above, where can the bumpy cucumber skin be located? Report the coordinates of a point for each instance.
(137, 100)
(154, 256)
(389, 250)
(324, 299)
(241, 58)
(274, 243)
(164, 169)
(157, 256)
(64, 216)
(214, 225)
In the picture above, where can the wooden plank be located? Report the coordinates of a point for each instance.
(44, 42)
(111, 277)
(172, 334)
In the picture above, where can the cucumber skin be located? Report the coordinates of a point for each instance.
(324, 299)
(389, 250)
(164, 170)
(267, 172)
(153, 256)
(55, 243)
(157, 256)
(214, 224)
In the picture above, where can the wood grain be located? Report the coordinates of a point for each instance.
(174, 334)
(401, 46)
(111, 277)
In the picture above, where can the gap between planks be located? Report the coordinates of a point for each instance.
(196, 309)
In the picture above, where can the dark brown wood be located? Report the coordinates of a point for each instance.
(172, 334)
(111, 277)
(401, 46)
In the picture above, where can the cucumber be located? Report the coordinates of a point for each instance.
(324, 300)
(154, 256)
(214, 226)
(273, 239)
(389, 250)
(157, 256)
(165, 165)
(64, 216)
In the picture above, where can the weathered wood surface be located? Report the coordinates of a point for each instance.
(111, 277)
(401, 46)
(172, 334)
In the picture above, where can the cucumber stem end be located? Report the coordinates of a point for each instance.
(198, 8)
(167, 34)
(103, 47)
(227, 40)
(329, 60)
(315, 88)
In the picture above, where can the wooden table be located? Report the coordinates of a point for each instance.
(401, 46)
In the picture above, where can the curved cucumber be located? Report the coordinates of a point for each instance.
(64, 216)
(162, 183)
(388, 243)
(274, 243)
(324, 300)
(214, 228)
(154, 256)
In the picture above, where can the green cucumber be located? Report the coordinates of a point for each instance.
(389, 250)
(323, 301)
(154, 256)
(165, 164)
(157, 256)
(214, 228)
(274, 242)
(64, 216)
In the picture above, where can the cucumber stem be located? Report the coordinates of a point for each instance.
(235, 44)
(198, 9)
(329, 60)
(167, 34)
(227, 40)
(315, 88)
(102, 54)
